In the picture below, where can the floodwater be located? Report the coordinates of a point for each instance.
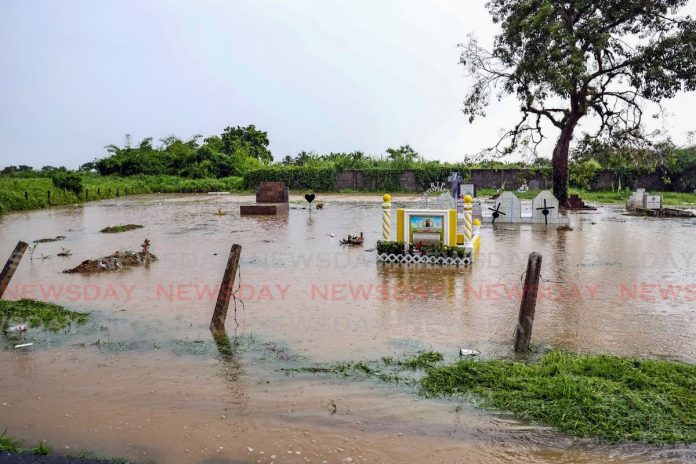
(145, 380)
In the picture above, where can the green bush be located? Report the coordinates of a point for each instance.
(22, 193)
(420, 249)
(295, 177)
(67, 180)
(584, 174)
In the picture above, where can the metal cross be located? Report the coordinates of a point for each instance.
(455, 179)
(545, 211)
(496, 212)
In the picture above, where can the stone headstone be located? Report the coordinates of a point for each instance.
(652, 201)
(468, 189)
(534, 185)
(272, 192)
(510, 208)
(271, 199)
(551, 207)
(476, 210)
(443, 201)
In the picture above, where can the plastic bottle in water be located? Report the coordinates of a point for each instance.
(19, 328)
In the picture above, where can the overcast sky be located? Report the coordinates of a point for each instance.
(322, 75)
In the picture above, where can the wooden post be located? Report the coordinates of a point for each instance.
(26, 195)
(217, 323)
(11, 265)
(49, 196)
(523, 333)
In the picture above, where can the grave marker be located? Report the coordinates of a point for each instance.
(545, 208)
(455, 181)
(509, 208)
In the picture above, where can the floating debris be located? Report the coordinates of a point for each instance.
(468, 352)
(353, 240)
(65, 252)
(19, 328)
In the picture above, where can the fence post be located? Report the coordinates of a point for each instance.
(217, 323)
(11, 265)
(523, 333)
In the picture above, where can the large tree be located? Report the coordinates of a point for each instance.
(253, 140)
(567, 60)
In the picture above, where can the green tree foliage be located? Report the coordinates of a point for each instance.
(567, 60)
(404, 155)
(253, 141)
(234, 153)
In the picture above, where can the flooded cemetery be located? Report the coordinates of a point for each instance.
(319, 360)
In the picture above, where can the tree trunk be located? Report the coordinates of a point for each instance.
(559, 163)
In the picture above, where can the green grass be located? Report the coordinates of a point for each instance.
(608, 197)
(424, 360)
(52, 239)
(120, 228)
(9, 443)
(13, 189)
(610, 397)
(49, 316)
(13, 445)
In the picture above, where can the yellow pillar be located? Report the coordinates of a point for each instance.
(468, 223)
(386, 217)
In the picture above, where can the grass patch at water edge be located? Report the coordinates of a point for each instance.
(609, 397)
(120, 228)
(424, 360)
(11, 444)
(49, 316)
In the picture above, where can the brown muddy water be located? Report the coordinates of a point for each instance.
(144, 379)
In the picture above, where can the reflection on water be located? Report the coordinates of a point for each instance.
(145, 376)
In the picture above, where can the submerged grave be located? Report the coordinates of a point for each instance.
(271, 199)
(641, 203)
(545, 210)
(441, 232)
(115, 261)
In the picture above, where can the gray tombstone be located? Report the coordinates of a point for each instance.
(510, 208)
(534, 185)
(444, 201)
(468, 189)
(545, 201)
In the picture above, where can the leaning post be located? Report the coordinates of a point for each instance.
(386, 217)
(523, 333)
(217, 323)
(11, 265)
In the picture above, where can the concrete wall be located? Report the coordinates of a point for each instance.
(494, 178)
(483, 178)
